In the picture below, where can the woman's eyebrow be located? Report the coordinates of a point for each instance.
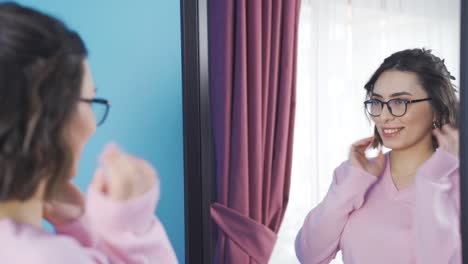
(399, 94)
(393, 95)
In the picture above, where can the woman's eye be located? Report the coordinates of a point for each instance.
(400, 101)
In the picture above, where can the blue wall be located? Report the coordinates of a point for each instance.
(134, 52)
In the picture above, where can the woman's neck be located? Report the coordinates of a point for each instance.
(404, 163)
(25, 212)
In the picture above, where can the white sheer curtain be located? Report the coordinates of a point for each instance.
(341, 43)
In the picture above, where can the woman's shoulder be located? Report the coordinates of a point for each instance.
(23, 243)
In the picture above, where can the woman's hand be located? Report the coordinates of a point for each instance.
(122, 176)
(357, 157)
(66, 206)
(448, 139)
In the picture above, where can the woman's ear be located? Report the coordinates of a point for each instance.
(436, 121)
(435, 115)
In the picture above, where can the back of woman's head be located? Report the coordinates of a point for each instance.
(41, 69)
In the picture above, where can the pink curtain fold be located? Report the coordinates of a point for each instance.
(252, 45)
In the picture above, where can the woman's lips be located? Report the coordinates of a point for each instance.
(391, 132)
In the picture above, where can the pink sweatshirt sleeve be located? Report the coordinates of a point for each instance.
(124, 232)
(437, 212)
(318, 240)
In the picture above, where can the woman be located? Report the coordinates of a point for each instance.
(402, 206)
(46, 117)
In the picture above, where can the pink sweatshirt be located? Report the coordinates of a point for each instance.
(371, 221)
(109, 232)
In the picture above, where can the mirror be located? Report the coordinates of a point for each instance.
(341, 44)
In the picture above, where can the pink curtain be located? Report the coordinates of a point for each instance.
(252, 46)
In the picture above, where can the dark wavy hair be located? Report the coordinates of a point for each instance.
(41, 69)
(433, 77)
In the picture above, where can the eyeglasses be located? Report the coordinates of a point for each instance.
(100, 108)
(396, 107)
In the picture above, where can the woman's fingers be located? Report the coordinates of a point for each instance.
(146, 173)
(448, 139)
(99, 182)
(70, 194)
(363, 142)
(61, 213)
(361, 145)
(358, 157)
(124, 176)
(114, 161)
(447, 128)
(438, 134)
(444, 135)
(65, 207)
(356, 153)
(451, 132)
